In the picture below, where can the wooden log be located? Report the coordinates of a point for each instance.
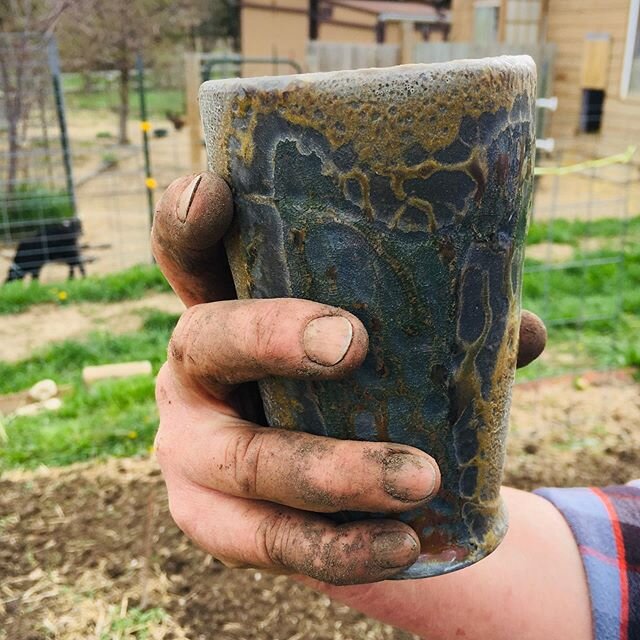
(91, 375)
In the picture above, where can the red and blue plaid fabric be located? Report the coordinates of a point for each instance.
(606, 526)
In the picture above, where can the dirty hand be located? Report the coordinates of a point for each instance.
(248, 494)
(251, 495)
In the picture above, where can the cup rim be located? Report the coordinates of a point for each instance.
(515, 64)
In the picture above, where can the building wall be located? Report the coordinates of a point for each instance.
(569, 22)
(280, 28)
(267, 31)
(348, 25)
(461, 21)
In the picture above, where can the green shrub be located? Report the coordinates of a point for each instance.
(109, 160)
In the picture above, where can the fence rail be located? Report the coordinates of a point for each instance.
(336, 56)
(444, 51)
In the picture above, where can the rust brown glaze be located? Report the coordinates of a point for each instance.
(401, 195)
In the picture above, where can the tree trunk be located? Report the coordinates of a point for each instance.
(11, 114)
(14, 148)
(124, 105)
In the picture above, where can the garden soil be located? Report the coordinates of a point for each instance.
(83, 549)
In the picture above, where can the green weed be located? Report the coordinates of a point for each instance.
(131, 284)
(135, 624)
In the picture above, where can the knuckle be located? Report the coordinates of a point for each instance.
(184, 516)
(162, 448)
(243, 458)
(265, 332)
(275, 539)
(163, 387)
(181, 342)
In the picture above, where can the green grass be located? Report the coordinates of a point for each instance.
(103, 96)
(159, 101)
(111, 418)
(116, 418)
(563, 296)
(578, 291)
(573, 231)
(63, 361)
(130, 284)
(136, 623)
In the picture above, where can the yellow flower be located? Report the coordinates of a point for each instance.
(62, 296)
(132, 435)
(151, 183)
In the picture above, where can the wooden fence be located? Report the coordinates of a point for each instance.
(543, 54)
(335, 56)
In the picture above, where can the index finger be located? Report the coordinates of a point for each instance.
(189, 222)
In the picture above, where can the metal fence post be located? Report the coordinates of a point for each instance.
(145, 125)
(56, 77)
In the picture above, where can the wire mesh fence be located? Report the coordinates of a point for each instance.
(111, 177)
(36, 185)
(62, 157)
(583, 235)
(581, 260)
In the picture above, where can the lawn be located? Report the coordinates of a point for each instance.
(110, 418)
(103, 95)
(130, 284)
(593, 312)
(119, 418)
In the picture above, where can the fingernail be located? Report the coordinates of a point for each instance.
(408, 477)
(394, 550)
(327, 339)
(185, 200)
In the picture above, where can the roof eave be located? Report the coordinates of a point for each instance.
(407, 17)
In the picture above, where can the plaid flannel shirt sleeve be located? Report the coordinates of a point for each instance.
(606, 525)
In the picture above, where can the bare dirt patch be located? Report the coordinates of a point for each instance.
(550, 252)
(23, 333)
(82, 547)
(575, 431)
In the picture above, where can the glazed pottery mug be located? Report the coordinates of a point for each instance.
(401, 195)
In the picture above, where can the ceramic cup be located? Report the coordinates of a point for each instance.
(401, 195)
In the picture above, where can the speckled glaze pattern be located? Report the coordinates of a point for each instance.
(401, 195)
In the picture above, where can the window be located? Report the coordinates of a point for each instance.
(486, 22)
(592, 110)
(631, 70)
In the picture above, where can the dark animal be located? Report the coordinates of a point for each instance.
(177, 119)
(55, 243)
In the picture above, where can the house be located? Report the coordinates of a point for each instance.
(281, 28)
(596, 69)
